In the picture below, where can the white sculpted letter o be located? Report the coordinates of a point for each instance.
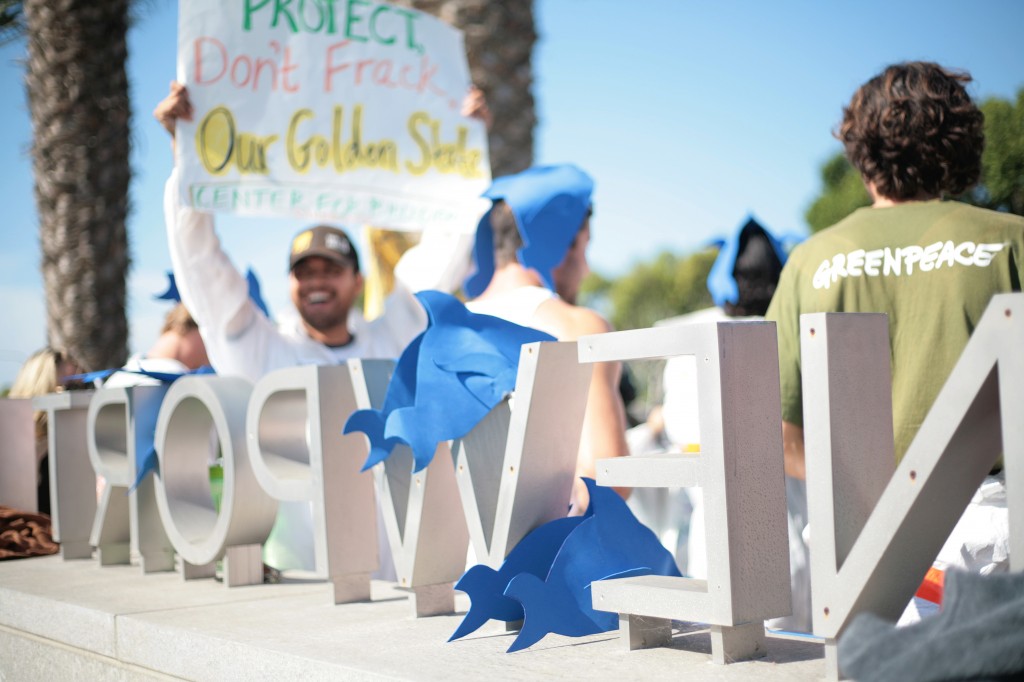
(199, 531)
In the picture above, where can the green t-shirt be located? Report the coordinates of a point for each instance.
(931, 266)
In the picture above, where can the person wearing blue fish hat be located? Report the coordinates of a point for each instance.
(530, 257)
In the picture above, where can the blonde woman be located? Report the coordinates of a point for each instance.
(41, 374)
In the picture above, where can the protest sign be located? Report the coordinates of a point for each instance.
(345, 110)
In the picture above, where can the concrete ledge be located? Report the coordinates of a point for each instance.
(75, 620)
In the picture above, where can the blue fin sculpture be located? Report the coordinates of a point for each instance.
(254, 291)
(486, 587)
(146, 460)
(608, 543)
(446, 380)
(172, 293)
(401, 393)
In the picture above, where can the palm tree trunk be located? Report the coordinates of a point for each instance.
(499, 37)
(78, 101)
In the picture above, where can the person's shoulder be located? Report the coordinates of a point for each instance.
(573, 321)
(1003, 219)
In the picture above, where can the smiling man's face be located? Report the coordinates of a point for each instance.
(323, 291)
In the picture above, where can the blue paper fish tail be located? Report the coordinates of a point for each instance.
(376, 456)
(371, 423)
(530, 591)
(484, 586)
(541, 599)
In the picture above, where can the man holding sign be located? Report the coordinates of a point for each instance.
(254, 136)
(337, 127)
(324, 283)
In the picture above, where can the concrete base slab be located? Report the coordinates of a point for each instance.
(77, 620)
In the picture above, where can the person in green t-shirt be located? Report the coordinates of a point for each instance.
(932, 265)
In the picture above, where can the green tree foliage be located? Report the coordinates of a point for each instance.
(843, 193)
(1002, 170)
(1002, 164)
(664, 287)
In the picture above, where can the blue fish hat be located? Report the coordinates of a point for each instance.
(549, 204)
(767, 261)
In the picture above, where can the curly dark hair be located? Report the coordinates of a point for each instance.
(914, 132)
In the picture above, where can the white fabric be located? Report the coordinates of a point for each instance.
(518, 306)
(241, 341)
(979, 543)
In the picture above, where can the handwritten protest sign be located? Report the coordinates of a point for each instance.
(347, 110)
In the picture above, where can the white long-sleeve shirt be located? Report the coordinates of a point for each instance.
(241, 341)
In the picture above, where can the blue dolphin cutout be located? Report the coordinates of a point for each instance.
(172, 293)
(486, 587)
(401, 392)
(609, 543)
(445, 381)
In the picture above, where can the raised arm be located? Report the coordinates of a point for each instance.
(175, 106)
(239, 339)
(604, 430)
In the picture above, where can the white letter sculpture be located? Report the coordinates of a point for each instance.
(515, 468)
(18, 466)
(422, 515)
(72, 479)
(200, 532)
(296, 417)
(740, 468)
(875, 531)
(121, 422)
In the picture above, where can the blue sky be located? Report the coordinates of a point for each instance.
(689, 115)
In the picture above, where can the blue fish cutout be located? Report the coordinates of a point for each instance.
(486, 587)
(550, 204)
(401, 393)
(172, 293)
(610, 543)
(445, 381)
(254, 291)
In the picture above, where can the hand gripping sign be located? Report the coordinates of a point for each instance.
(348, 111)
